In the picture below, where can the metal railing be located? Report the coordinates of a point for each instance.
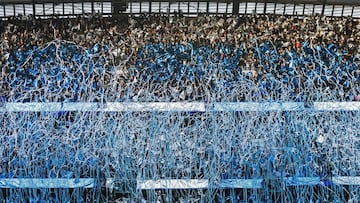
(189, 8)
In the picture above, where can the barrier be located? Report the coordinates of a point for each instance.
(178, 106)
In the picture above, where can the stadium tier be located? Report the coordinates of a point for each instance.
(173, 107)
(247, 58)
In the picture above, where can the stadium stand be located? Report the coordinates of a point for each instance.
(273, 58)
(170, 107)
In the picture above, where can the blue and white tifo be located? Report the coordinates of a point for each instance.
(188, 150)
(192, 151)
(154, 121)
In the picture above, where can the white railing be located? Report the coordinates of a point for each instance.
(179, 106)
(255, 183)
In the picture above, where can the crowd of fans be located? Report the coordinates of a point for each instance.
(162, 58)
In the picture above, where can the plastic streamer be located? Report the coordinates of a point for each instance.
(132, 146)
(62, 71)
(225, 145)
